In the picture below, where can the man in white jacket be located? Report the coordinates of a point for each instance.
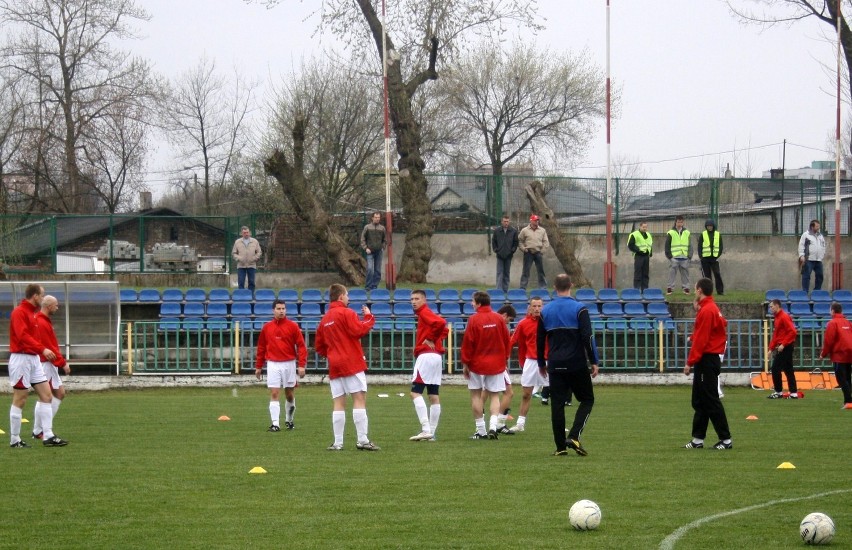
(811, 254)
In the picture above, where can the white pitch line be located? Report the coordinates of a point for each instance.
(670, 541)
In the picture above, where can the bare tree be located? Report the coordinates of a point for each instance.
(423, 31)
(207, 120)
(627, 174)
(65, 48)
(12, 122)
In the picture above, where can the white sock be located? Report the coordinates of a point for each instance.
(36, 421)
(360, 418)
(480, 425)
(290, 410)
(697, 441)
(15, 416)
(275, 412)
(54, 404)
(434, 417)
(45, 411)
(422, 416)
(522, 421)
(493, 422)
(501, 420)
(338, 422)
(536, 389)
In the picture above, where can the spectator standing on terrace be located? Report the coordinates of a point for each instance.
(532, 240)
(25, 370)
(811, 254)
(565, 336)
(838, 347)
(504, 243)
(709, 249)
(44, 321)
(679, 253)
(246, 253)
(525, 337)
(281, 347)
(338, 339)
(374, 240)
(428, 365)
(781, 348)
(709, 341)
(640, 242)
(484, 353)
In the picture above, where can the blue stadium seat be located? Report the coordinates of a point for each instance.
(217, 323)
(634, 309)
(289, 295)
(217, 309)
(809, 323)
(842, 295)
(822, 309)
(586, 295)
(798, 296)
(466, 295)
(616, 324)
(612, 309)
(170, 309)
(403, 308)
(821, 296)
(467, 309)
(310, 309)
(128, 295)
(775, 294)
(401, 295)
(242, 295)
(358, 295)
(169, 324)
(149, 295)
(608, 295)
(242, 312)
(653, 295)
(195, 295)
(384, 323)
(173, 295)
(593, 308)
(192, 324)
(517, 295)
(540, 293)
(659, 310)
(448, 295)
(193, 309)
(405, 324)
(219, 295)
(457, 322)
(264, 309)
(631, 295)
(263, 295)
(450, 308)
(312, 295)
(642, 324)
(381, 309)
(497, 295)
(430, 294)
(801, 309)
(379, 295)
(521, 309)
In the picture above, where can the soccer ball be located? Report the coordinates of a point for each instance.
(585, 515)
(817, 528)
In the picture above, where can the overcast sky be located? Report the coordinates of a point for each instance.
(699, 90)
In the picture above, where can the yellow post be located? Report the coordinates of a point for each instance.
(450, 349)
(661, 334)
(237, 347)
(129, 348)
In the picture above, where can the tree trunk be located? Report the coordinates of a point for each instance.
(349, 262)
(564, 246)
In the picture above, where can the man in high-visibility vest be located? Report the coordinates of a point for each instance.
(679, 253)
(640, 242)
(709, 250)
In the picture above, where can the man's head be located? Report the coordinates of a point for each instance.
(481, 298)
(49, 305)
(534, 309)
(814, 226)
(418, 299)
(34, 294)
(505, 222)
(508, 312)
(710, 225)
(562, 283)
(279, 309)
(534, 221)
(377, 217)
(643, 227)
(775, 306)
(679, 222)
(245, 232)
(705, 287)
(836, 307)
(338, 293)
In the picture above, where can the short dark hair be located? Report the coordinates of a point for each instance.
(420, 292)
(482, 298)
(335, 291)
(509, 311)
(31, 290)
(836, 307)
(678, 218)
(278, 301)
(705, 285)
(533, 298)
(813, 222)
(562, 282)
(776, 301)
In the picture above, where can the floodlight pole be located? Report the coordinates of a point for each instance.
(837, 265)
(609, 265)
(390, 271)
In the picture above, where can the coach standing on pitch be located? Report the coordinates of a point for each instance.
(565, 331)
(709, 340)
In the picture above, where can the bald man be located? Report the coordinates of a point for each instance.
(44, 321)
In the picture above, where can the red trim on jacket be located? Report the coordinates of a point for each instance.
(339, 340)
(281, 340)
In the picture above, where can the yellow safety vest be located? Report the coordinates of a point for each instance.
(706, 250)
(680, 243)
(642, 243)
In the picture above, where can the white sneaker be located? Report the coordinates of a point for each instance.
(422, 436)
(516, 428)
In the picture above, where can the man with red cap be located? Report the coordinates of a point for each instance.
(532, 240)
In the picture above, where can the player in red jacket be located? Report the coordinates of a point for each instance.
(281, 347)
(49, 306)
(781, 345)
(709, 341)
(484, 352)
(524, 337)
(837, 346)
(428, 365)
(338, 339)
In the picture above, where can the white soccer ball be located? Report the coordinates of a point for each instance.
(817, 528)
(584, 515)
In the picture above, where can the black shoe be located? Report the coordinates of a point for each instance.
(273, 428)
(574, 444)
(492, 434)
(477, 435)
(507, 411)
(544, 400)
(721, 446)
(289, 425)
(693, 445)
(19, 445)
(54, 441)
(505, 430)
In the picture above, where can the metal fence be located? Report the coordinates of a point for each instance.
(148, 348)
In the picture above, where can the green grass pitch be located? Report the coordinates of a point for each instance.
(156, 469)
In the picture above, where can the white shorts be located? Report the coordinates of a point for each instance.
(25, 370)
(427, 369)
(531, 376)
(281, 374)
(506, 378)
(489, 382)
(348, 385)
(52, 374)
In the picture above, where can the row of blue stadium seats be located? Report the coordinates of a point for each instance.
(840, 295)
